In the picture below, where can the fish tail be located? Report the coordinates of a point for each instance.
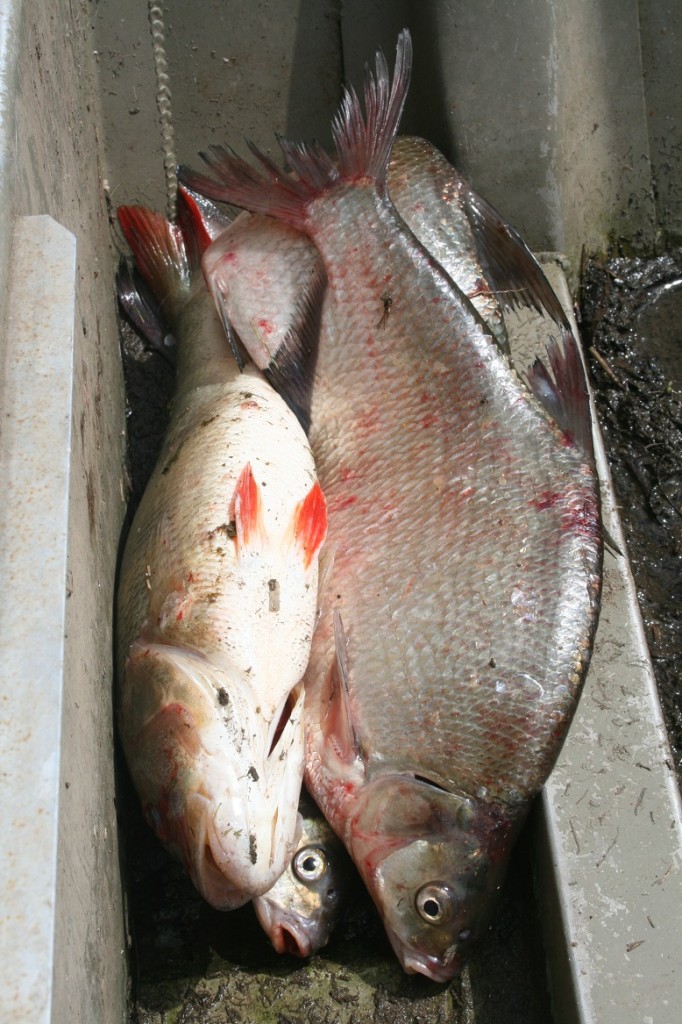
(143, 311)
(363, 144)
(159, 250)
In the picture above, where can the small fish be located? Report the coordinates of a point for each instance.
(217, 597)
(303, 906)
(458, 618)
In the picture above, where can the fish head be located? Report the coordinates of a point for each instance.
(218, 778)
(300, 911)
(433, 862)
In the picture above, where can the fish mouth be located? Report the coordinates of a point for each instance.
(440, 969)
(286, 933)
(210, 872)
(214, 886)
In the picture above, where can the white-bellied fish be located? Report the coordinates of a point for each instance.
(464, 520)
(217, 599)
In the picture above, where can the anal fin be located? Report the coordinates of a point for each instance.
(514, 274)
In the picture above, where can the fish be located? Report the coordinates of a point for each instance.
(457, 622)
(301, 909)
(217, 596)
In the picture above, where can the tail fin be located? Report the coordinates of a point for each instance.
(159, 250)
(201, 222)
(363, 145)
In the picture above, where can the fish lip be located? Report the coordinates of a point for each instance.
(438, 969)
(287, 933)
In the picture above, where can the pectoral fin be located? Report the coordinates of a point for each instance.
(338, 725)
(310, 524)
(247, 515)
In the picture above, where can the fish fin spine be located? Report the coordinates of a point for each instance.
(563, 392)
(310, 524)
(159, 250)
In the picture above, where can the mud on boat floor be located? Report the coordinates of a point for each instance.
(631, 312)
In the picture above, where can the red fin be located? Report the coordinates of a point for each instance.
(310, 523)
(363, 145)
(158, 248)
(247, 510)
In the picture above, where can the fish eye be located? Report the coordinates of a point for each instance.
(434, 904)
(310, 864)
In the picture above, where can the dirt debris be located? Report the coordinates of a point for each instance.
(631, 321)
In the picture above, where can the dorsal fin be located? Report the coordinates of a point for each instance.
(563, 392)
(510, 267)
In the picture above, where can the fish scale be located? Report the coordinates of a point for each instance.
(467, 508)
